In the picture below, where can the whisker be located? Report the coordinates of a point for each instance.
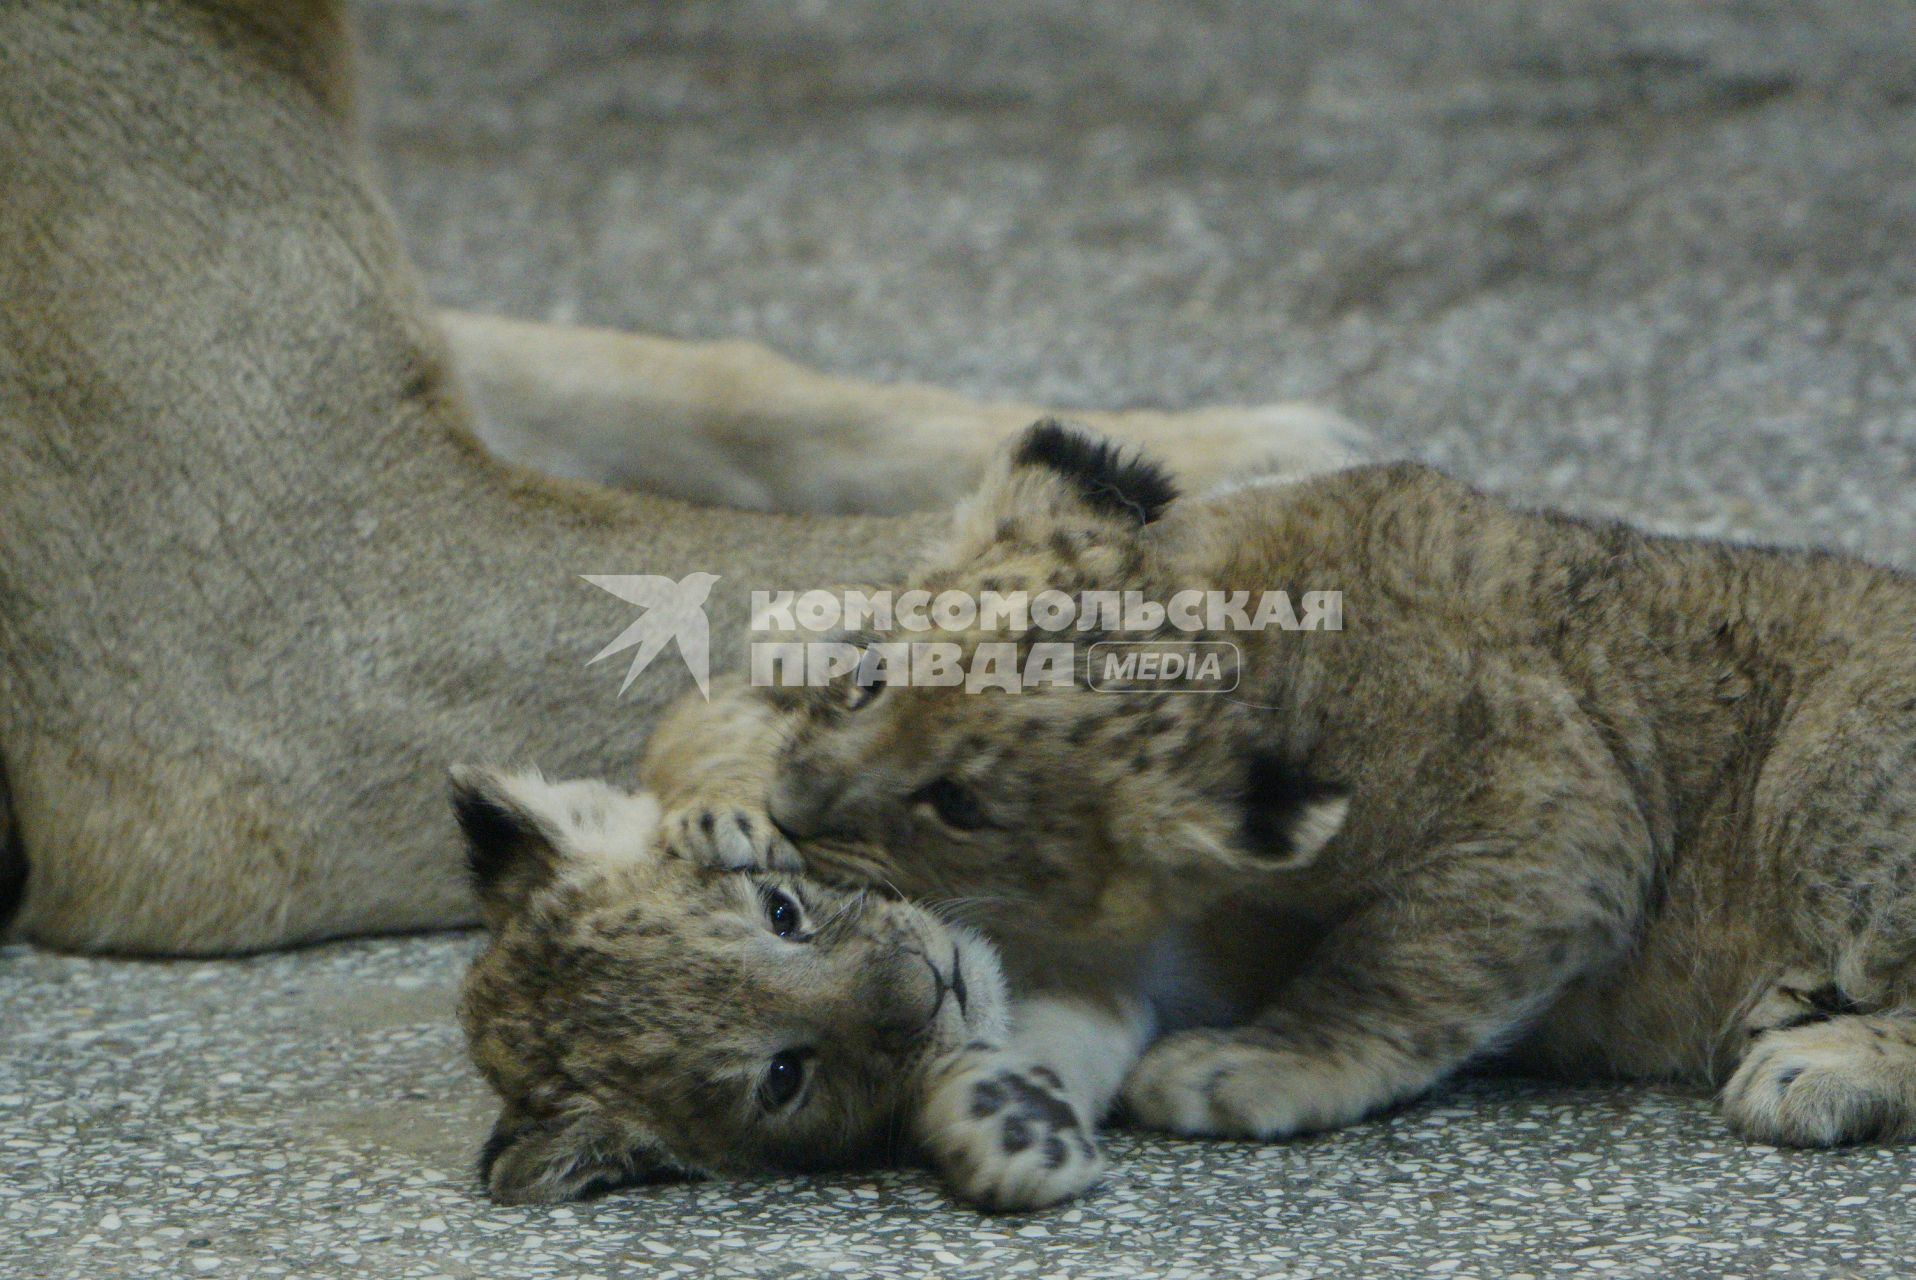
(968, 910)
(831, 921)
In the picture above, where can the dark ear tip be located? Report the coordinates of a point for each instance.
(481, 817)
(1048, 433)
(467, 785)
(1112, 479)
(1288, 814)
(494, 833)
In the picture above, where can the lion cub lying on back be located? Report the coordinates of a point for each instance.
(648, 1013)
(1607, 802)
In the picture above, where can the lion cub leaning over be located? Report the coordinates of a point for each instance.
(1605, 802)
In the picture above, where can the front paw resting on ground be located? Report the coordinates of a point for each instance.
(732, 837)
(1248, 1082)
(1005, 1134)
(1827, 1081)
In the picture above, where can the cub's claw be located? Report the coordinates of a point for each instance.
(731, 837)
(1005, 1135)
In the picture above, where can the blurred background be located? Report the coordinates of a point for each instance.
(1655, 260)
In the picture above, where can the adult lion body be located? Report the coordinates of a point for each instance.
(259, 582)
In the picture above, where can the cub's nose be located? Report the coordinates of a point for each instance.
(905, 1004)
(793, 823)
(801, 812)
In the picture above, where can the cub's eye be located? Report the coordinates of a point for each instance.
(784, 915)
(784, 1078)
(955, 804)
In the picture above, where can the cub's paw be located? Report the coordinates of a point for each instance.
(1244, 1083)
(1826, 1083)
(729, 836)
(1005, 1135)
(1796, 999)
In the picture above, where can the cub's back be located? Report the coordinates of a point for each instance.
(1738, 687)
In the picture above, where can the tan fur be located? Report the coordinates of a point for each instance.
(259, 583)
(1593, 794)
(637, 1004)
(641, 994)
(733, 424)
(608, 996)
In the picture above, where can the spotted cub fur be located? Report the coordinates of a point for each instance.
(1601, 801)
(660, 1001)
(1598, 802)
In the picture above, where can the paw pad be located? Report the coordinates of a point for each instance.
(1006, 1135)
(1017, 1135)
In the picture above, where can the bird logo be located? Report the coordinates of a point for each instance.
(674, 611)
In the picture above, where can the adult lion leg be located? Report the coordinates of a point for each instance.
(735, 424)
(259, 584)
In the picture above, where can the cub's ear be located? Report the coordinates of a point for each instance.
(512, 849)
(1100, 473)
(1276, 817)
(1289, 816)
(1056, 473)
(544, 1160)
(520, 829)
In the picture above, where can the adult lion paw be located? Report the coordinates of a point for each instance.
(1005, 1135)
(1244, 1083)
(729, 836)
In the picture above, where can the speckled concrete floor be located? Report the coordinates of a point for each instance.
(312, 1115)
(1650, 259)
